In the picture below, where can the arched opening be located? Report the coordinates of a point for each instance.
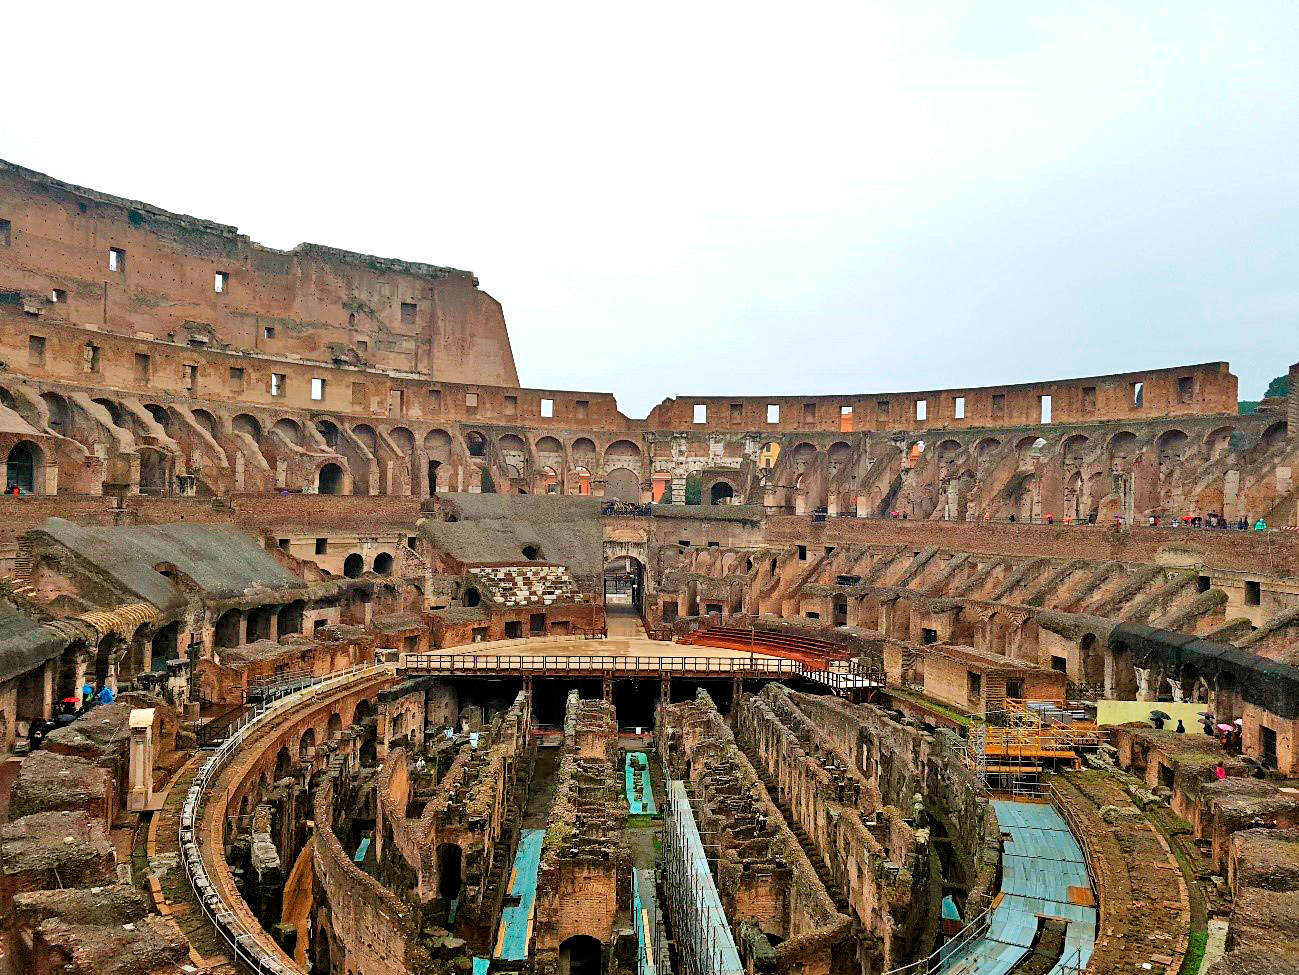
(307, 744)
(259, 623)
(485, 483)
(335, 726)
(155, 472)
(768, 455)
(579, 955)
(1274, 434)
(624, 585)
(383, 564)
(364, 709)
(623, 485)
(226, 633)
(433, 467)
(160, 416)
(328, 431)
(58, 408)
(289, 430)
(721, 493)
(1093, 663)
(289, 618)
(476, 444)
(471, 596)
(582, 480)
(165, 645)
(330, 480)
(206, 420)
(353, 565)
(531, 553)
(243, 423)
(450, 859)
(20, 467)
(283, 763)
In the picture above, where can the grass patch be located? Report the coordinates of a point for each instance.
(1195, 946)
(642, 820)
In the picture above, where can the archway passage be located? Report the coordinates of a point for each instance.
(579, 955)
(623, 485)
(450, 858)
(331, 480)
(20, 467)
(383, 564)
(353, 565)
(721, 493)
(624, 586)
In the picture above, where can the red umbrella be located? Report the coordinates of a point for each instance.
(72, 700)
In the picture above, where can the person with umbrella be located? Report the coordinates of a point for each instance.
(1206, 719)
(1157, 718)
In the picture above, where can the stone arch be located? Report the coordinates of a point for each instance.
(23, 465)
(365, 433)
(476, 444)
(289, 429)
(720, 493)
(768, 454)
(623, 453)
(623, 484)
(1074, 450)
(283, 763)
(580, 955)
(383, 563)
(471, 596)
(437, 443)
(1171, 445)
(328, 431)
(289, 618)
(330, 479)
(58, 409)
(226, 633)
(512, 441)
(206, 420)
(1219, 441)
(403, 439)
(334, 727)
(549, 445)
(114, 411)
(581, 478)
(1274, 434)
(353, 565)
(247, 423)
(160, 416)
(584, 447)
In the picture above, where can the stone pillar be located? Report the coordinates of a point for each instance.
(140, 781)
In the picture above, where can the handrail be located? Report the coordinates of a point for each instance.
(243, 943)
(835, 674)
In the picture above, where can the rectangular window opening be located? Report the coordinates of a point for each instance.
(268, 332)
(471, 401)
(317, 388)
(322, 546)
(278, 382)
(882, 409)
(284, 544)
(221, 282)
(845, 419)
(922, 409)
(583, 407)
(773, 413)
(236, 378)
(435, 399)
(6, 232)
(511, 406)
(1138, 394)
(92, 358)
(1044, 402)
(189, 376)
(1089, 399)
(701, 413)
(1253, 593)
(802, 553)
(1185, 389)
(116, 259)
(59, 296)
(737, 412)
(809, 412)
(547, 407)
(999, 406)
(958, 408)
(407, 313)
(36, 350)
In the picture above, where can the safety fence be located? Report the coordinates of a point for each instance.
(244, 945)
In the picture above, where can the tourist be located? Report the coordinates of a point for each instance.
(1260, 525)
(106, 695)
(1242, 525)
(1154, 521)
(1220, 773)
(1181, 728)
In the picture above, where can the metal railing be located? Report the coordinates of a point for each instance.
(244, 944)
(836, 674)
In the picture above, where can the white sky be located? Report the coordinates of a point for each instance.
(676, 199)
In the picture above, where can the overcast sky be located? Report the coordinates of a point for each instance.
(706, 198)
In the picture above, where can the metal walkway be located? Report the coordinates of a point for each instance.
(637, 771)
(1044, 875)
(516, 917)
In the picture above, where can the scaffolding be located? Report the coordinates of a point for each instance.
(704, 942)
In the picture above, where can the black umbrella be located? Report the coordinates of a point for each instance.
(1207, 715)
(1159, 716)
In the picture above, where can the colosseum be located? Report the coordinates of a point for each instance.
(329, 648)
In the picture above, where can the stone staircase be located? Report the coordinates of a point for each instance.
(809, 848)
